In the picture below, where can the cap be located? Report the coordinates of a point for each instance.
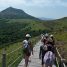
(28, 35)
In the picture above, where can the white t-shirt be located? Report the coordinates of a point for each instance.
(25, 43)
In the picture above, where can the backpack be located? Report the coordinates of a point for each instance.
(49, 57)
(26, 46)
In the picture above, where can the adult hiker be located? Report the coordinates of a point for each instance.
(49, 57)
(44, 39)
(54, 47)
(27, 49)
(43, 50)
(47, 35)
(53, 40)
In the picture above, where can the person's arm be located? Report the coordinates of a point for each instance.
(31, 47)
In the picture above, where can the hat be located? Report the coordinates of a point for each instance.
(46, 35)
(51, 35)
(28, 35)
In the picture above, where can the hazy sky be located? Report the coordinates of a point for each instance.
(38, 8)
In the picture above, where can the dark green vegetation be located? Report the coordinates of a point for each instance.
(13, 30)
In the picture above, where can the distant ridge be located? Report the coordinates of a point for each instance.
(13, 13)
(42, 18)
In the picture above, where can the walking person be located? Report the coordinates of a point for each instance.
(53, 40)
(54, 47)
(46, 35)
(27, 49)
(44, 39)
(49, 57)
(43, 50)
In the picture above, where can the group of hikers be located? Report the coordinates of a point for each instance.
(47, 50)
(46, 53)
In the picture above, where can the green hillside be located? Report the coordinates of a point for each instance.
(13, 30)
(57, 25)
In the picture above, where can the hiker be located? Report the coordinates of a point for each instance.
(53, 41)
(27, 49)
(43, 50)
(49, 57)
(47, 35)
(54, 47)
(44, 39)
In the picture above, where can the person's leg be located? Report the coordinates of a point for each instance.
(26, 61)
(50, 66)
(42, 65)
(46, 65)
(29, 57)
(42, 62)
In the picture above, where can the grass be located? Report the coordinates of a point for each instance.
(62, 43)
(12, 58)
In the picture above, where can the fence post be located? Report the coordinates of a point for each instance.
(4, 58)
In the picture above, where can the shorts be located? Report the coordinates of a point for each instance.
(26, 52)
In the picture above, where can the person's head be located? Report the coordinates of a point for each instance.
(45, 41)
(28, 36)
(49, 48)
(46, 35)
(51, 36)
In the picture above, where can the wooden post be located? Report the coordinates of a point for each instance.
(4, 58)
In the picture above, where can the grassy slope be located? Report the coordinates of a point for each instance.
(13, 56)
(62, 43)
(57, 25)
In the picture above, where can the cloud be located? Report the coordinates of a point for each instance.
(45, 3)
(33, 3)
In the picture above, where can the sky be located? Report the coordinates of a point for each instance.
(38, 8)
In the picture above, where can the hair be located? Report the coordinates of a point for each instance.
(49, 48)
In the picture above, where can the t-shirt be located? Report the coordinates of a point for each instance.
(43, 50)
(25, 43)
